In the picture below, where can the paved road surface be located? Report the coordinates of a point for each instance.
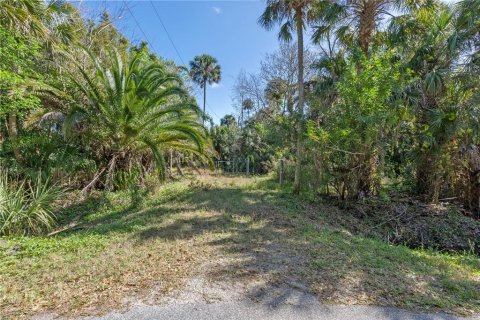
(253, 311)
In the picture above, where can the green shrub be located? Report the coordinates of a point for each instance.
(26, 206)
(49, 153)
(126, 179)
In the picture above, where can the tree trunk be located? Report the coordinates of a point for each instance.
(472, 156)
(109, 185)
(179, 165)
(367, 175)
(427, 170)
(298, 165)
(469, 182)
(428, 179)
(367, 24)
(473, 194)
(204, 99)
(13, 134)
(170, 166)
(317, 163)
(241, 123)
(191, 164)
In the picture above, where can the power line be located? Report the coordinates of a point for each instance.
(166, 31)
(171, 41)
(138, 25)
(177, 51)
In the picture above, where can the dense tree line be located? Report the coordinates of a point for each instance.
(384, 97)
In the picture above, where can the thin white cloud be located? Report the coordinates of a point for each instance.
(215, 85)
(217, 10)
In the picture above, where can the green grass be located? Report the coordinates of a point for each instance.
(396, 275)
(129, 248)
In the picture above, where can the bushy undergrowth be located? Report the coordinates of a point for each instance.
(26, 207)
(410, 222)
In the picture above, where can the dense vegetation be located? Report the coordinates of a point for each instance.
(82, 108)
(383, 99)
(365, 125)
(391, 99)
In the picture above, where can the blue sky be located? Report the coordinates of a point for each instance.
(227, 30)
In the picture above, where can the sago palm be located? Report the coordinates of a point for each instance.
(134, 104)
(204, 69)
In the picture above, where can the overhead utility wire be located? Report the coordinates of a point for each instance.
(169, 37)
(138, 25)
(166, 31)
(176, 50)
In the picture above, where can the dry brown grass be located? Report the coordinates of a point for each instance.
(132, 250)
(222, 229)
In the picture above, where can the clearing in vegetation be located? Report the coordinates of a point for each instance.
(244, 235)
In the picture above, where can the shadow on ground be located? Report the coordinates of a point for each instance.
(264, 241)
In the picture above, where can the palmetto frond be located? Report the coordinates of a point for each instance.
(47, 20)
(285, 14)
(205, 69)
(363, 17)
(23, 15)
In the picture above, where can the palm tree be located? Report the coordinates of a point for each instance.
(278, 92)
(356, 19)
(24, 16)
(291, 15)
(204, 69)
(135, 107)
(428, 54)
(247, 105)
(467, 33)
(45, 20)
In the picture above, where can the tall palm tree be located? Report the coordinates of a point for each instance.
(291, 15)
(248, 105)
(204, 69)
(135, 104)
